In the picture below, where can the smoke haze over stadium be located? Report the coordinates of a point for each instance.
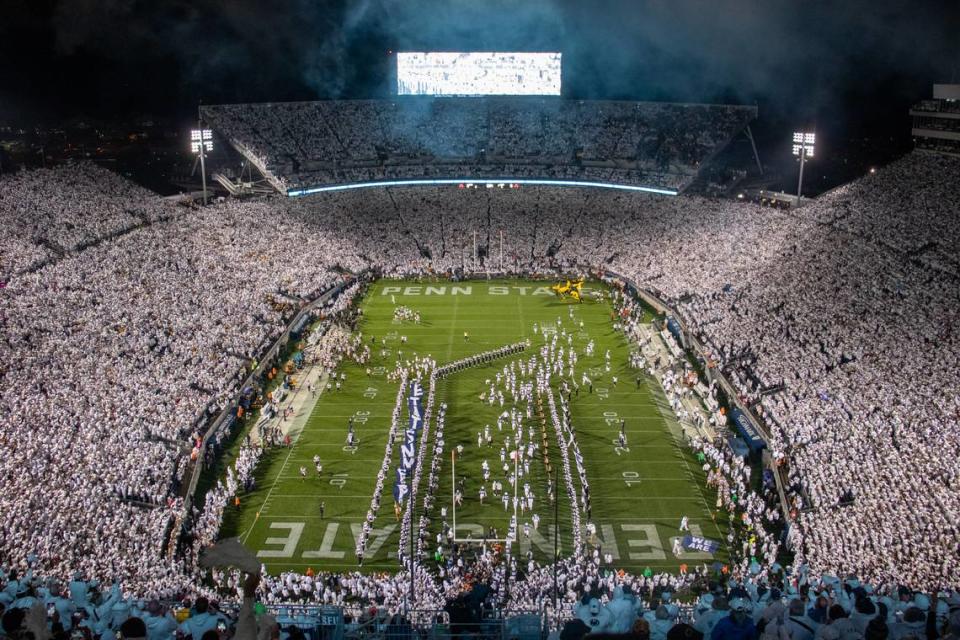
(798, 61)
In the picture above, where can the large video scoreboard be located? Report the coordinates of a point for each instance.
(478, 73)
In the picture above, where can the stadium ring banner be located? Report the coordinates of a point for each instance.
(296, 193)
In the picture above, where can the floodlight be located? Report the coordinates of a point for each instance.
(200, 137)
(803, 142)
(803, 146)
(201, 143)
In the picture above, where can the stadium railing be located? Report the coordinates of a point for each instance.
(334, 623)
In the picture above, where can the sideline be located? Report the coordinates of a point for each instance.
(299, 402)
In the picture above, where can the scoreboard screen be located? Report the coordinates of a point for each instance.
(478, 74)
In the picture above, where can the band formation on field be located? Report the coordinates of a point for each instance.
(497, 469)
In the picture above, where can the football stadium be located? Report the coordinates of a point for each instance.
(481, 358)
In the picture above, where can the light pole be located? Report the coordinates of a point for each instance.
(802, 148)
(201, 143)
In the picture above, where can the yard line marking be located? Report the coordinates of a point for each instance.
(342, 429)
(453, 324)
(339, 445)
(641, 498)
(338, 461)
(332, 518)
(673, 478)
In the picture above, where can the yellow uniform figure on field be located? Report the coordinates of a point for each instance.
(574, 289)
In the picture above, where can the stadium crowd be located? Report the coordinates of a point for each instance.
(50, 211)
(308, 143)
(124, 334)
(788, 605)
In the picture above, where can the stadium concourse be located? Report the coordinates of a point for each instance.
(127, 321)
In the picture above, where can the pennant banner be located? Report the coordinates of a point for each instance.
(408, 450)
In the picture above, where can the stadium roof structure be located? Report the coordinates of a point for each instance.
(307, 147)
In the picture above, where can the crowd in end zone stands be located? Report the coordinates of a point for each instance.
(120, 335)
(787, 605)
(645, 143)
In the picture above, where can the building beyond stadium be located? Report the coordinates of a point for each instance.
(936, 123)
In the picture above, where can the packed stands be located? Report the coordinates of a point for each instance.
(304, 144)
(924, 227)
(52, 211)
(771, 608)
(832, 321)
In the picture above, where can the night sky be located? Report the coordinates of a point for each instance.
(844, 66)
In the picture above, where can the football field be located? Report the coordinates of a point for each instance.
(639, 492)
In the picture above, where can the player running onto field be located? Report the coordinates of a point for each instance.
(677, 548)
(351, 437)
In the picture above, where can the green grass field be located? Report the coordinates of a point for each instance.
(639, 494)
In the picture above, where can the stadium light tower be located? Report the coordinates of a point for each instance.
(201, 143)
(803, 148)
